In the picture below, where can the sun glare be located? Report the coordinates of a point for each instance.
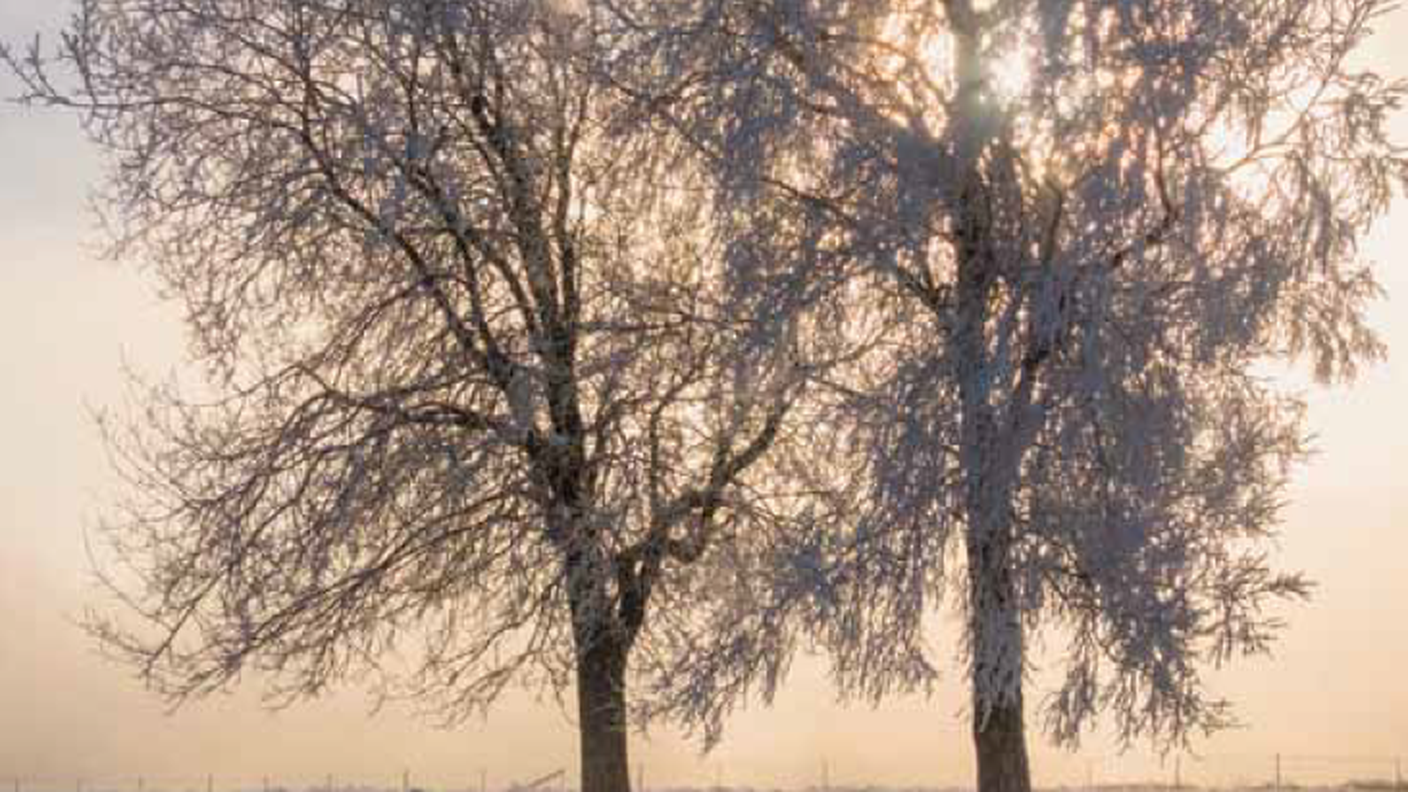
(1009, 72)
(1011, 75)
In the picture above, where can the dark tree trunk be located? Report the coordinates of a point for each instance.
(992, 465)
(990, 453)
(601, 707)
(999, 733)
(1001, 745)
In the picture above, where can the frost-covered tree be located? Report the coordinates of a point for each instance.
(476, 387)
(1097, 223)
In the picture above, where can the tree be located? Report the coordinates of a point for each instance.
(474, 361)
(1096, 222)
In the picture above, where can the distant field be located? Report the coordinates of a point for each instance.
(137, 785)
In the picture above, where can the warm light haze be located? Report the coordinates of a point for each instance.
(1332, 699)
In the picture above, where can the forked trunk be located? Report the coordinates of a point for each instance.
(601, 707)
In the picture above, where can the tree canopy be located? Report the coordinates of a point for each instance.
(483, 389)
(655, 339)
(1101, 222)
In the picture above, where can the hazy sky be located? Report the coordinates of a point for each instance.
(1334, 699)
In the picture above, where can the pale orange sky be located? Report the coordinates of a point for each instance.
(1335, 689)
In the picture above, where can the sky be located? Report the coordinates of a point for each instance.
(1332, 701)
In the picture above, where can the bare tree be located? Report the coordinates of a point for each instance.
(1099, 221)
(476, 365)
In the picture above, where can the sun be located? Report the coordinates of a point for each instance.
(1009, 68)
(1010, 74)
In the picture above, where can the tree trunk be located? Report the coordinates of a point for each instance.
(999, 732)
(601, 707)
(989, 455)
(1001, 745)
(991, 467)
